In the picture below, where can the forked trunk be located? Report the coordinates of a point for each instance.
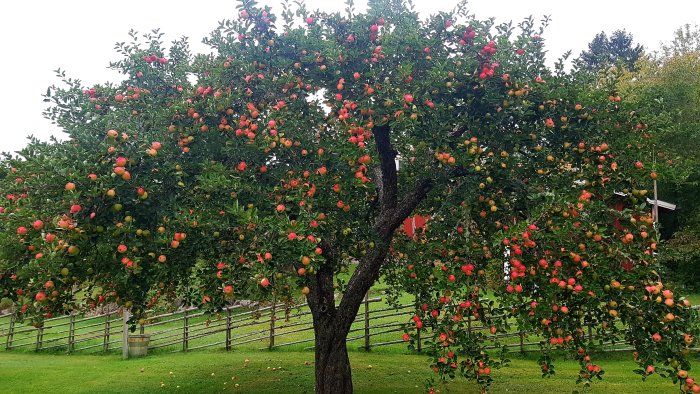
(331, 323)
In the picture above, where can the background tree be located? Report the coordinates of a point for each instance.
(686, 40)
(275, 169)
(666, 91)
(603, 52)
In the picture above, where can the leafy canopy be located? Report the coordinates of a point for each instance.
(265, 168)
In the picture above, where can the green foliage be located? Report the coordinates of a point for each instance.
(274, 169)
(686, 40)
(666, 91)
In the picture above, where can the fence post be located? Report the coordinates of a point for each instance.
(420, 347)
(71, 333)
(105, 345)
(125, 334)
(8, 342)
(522, 341)
(273, 317)
(185, 333)
(367, 321)
(39, 337)
(228, 329)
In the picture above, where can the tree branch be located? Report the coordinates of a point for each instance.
(387, 185)
(362, 279)
(408, 204)
(367, 270)
(391, 214)
(457, 133)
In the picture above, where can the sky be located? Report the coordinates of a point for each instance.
(78, 36)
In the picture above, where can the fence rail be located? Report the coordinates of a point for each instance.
(273, 326)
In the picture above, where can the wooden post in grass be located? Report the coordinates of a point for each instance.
(228, 329)
(419, 346)
(71, 333)
(367, 321)
(185, 333)
(273, 317)
(522, 341)
(10, 333)
(105, 343)
(39, 338)
(125, 334)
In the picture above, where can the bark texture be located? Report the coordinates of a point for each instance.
(333, 373)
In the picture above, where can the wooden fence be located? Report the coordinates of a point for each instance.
(267, 327)
(102, 332)
(190, 329)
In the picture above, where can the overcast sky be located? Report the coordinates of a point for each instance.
(79, 37)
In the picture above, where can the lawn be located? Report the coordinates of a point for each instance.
(284, 371)
(390, 369)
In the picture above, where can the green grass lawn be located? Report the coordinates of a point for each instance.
(393, 369)
(285, 371)
(390, 369)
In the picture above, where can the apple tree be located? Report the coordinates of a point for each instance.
(263, 169)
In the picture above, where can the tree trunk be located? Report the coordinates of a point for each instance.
(331, 323)
(333, 374)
